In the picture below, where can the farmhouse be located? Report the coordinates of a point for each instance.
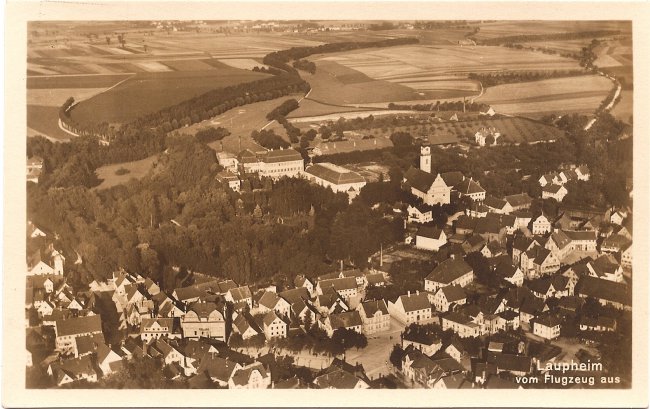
(461, 324)
(448, 297)
(469, 188)
(453, 271)
(547, 326)
(497, 205)
(274, 326)
(337, 178)
(606, 292)
(541, 224)
(270, 301)
(607, 268)
(346, 287)
(348, 320)
(419, 214)
(430, 238)
(556, 192)
(519, 201)
(582, 240)
(68, 330)
(411, 308)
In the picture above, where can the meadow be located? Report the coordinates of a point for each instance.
(136, 170)
(557, 95)
(624, 109)
(513, 28)
(148, 92)
(411, 73)
(44, 120)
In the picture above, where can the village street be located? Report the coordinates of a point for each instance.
(374, 357)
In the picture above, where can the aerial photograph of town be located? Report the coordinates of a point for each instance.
(328, 204)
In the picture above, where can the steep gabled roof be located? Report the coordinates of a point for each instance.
(604, 289)
(415, 302)
(469, 186)
(371, 307)
(454, 178)
(419, 179)
(79, 325)
(345, 320)
(453, 293)
(429, 232)
(521, 199)
(449, 270)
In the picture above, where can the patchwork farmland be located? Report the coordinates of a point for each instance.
(557, 95)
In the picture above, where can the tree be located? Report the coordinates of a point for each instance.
(396, 356)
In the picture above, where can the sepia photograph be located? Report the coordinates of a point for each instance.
(288, 203)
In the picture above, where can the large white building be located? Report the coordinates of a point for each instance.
(337, 178)
(283, 162)
(273, 163)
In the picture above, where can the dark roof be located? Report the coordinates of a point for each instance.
(415, 302)
(453, 178)
(375, 278)
(203, 309)
(466, 222)
(521, 199)
(489, 225)
(345, 320)
(216, 367)
(453, 293)
(269, 299)
(511, 362)
(371, 307)
(345, 283)
(604, 289)
(294, 295)
(335, 174)
(449, 270)
(459, 318)
(430, 232)
(553, 189)
(561, 239)
(240, 293)
(419, 179)
(281, 155)
(79, 325)
(469, 186)
(494, 203)
(548, 320)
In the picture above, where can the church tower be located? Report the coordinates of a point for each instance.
(425, 159)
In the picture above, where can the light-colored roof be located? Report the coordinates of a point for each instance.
(334, 174)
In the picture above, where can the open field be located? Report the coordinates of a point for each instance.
(241, 120)
(565, 95)
(74, 81)
(57, 96)
(309, 107)
(147, 93)
(512, 28)
(624, 109)
(137, 169)
(409, 73)
(44, 120)
(336, 84)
